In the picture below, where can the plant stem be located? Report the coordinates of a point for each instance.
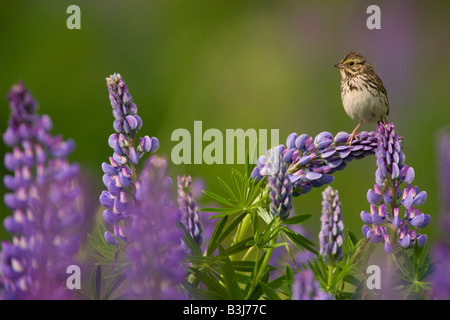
(259, 271)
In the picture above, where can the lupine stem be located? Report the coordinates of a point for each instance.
(262, 268)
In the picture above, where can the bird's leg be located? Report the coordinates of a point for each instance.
(354, 133)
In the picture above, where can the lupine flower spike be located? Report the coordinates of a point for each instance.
(387, 199)
(155, 241)
(121, 173)
(331, 235)
(43, 196)
(280, 187)
(312, 161)
(188, 208)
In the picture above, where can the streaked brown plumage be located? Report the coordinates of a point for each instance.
(362, 91)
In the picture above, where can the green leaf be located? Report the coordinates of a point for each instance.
(202, 294)
(231, 226)
(213, 242)
(237, 187)
(239, 246)
(299, 240)
(95, 281)
(269, 292)
(189, 241)
(297, 219)
(228, 189)
(210, 282)
(352, 237)
(229, 279)
(114, 284)
(217, 197)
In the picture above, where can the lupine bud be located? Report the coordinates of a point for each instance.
(280, 187)
(188, 207)
(331, 235)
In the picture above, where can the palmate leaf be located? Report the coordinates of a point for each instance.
(240, 195)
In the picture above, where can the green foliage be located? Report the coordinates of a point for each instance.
(235, 264)
(110, 270)
(412, 270)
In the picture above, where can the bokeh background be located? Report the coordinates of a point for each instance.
(232, 64)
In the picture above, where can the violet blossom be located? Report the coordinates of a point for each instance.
(121, 173)
(394, 201)
(155, 239)
(44, 199)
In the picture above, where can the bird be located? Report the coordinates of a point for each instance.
(363, 94)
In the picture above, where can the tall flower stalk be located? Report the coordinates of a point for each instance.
(188, 207)
(280, 187)
(121, 173)
(154, 248)
(440, 278)
(44, 199)
(331, 235)
(394, 201)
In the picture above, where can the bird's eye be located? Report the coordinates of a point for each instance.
(351, 63)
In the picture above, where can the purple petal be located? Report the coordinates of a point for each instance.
(409, 176)
(154, 144)
(300, 141)
(341, 137)
(304, 160)
(328, 153)
(287, 157)
(422, 240)
(106, 200)
(420, 199)
(110, 239)
(290, 141)
(110, 217)
(405, 242)
(420, 221)
(310, 175)
(387, 245)
(372, 197)
(109, 169)
(366, 217)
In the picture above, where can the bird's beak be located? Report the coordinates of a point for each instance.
(339, 65)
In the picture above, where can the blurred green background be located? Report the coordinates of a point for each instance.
(232, 64)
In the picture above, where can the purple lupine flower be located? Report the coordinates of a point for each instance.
(444, 177)
(386, 199)
(280, 187)
(440, 278)
(121, 172)
(43, 197)
(188, 208)
(306, 287)
(155, 241)
(311, 162)
(331, 235)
